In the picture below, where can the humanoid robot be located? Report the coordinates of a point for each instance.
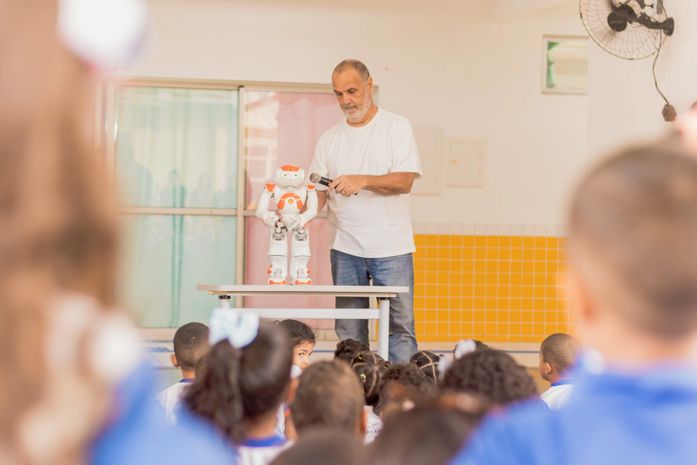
(287, 196)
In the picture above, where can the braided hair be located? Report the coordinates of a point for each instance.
(370, 368)
(347, 349)
(427, 362)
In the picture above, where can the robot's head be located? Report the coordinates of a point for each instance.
(290, 175)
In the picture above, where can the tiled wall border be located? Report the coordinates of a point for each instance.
(489, 229)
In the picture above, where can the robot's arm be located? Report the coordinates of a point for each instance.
(268, 217)
(311, 210)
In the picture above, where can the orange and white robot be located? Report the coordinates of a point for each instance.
(294, 203)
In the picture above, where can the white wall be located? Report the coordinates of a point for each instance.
(624, 105)
(460, 66)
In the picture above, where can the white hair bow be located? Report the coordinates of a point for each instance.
(238, 328)
(464, 347)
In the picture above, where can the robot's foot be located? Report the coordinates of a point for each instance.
(275, 277)
(302, 276)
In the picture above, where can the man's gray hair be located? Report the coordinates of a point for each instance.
(356, 65)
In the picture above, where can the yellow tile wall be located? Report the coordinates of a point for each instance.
(494, 288)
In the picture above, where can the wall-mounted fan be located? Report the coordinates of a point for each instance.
(630, 29)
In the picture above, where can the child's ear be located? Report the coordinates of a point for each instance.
(546, 368)
(363, 423)
(173, 359)
(290, 432)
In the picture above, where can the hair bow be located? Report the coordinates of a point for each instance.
(464, 347)
(238, 328)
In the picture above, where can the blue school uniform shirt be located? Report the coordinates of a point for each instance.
(138, 433)
(261, 451)
(611, 418)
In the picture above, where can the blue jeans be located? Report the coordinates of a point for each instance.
(349, 270)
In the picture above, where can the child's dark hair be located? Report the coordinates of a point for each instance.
(492, 374)
(421, 435)
(347, 349)
(298, 332)
(190, 344)
(239, 385)
(404, 383)
(328, 396)
(560, 351)
(370, 368)
(427, 362)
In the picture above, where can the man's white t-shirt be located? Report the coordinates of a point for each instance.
(369, 225)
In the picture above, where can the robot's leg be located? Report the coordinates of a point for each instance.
(278, 255)
(300, 255)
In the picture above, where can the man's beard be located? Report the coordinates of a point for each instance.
(357, 113)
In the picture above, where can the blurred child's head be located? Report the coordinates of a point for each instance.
(632, 252)
(427, 362)
(557, 353)
(59, 242)
(328, 395)
(370, 368)
(423, 435)
(303, 339)
(323, 447)
(403, 387)
(473, 405)
(347, 349)
(238, 387)
(190, 344)
(491, 374)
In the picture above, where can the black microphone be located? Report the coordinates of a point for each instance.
(317, 179)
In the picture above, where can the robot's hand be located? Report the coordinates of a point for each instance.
(304, 218)
(270, 219)
(292, 222)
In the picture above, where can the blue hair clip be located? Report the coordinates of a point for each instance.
(238, 328)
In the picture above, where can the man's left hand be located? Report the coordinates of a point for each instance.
(348, 184)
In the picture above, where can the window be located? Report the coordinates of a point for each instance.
(176, 165)
(565, 64)
(190, 159)
(282, 128)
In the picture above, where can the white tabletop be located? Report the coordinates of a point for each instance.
(340, 291)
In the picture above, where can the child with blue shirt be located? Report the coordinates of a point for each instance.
(557, 354)
(190, 344)
(243, 383)
(632, 291)
(302, 340)
(77, 390)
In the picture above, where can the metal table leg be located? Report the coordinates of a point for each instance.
(384, 328)
(224, 300)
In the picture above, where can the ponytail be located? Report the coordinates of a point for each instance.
(237, 386)
(215, 394)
